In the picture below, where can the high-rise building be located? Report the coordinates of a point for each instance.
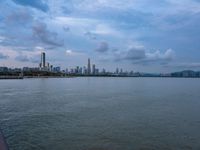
(93, 69)
(89, 67)
(57, 69)
(85, 70)
(66, 71)
(80, 70)
(77, 69)
(96, 71)
(43, 60)
(121, 71)
(117, 71)
(48, 66)
(51, 67)
(103, 71)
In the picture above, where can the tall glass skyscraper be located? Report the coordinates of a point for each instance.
(89, 66)
(43, 60)
(93, 69)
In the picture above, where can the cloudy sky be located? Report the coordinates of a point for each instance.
(139, 35)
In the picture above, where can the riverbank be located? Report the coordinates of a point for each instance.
(11, 77)
(74, 76)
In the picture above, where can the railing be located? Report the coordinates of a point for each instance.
(3, 143)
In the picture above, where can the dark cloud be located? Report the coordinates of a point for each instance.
(24, 58)
(135, 54)
(20, 17)
(16, 27)
(2, 56)
(66, 29)
(66, 10)
(38, 4)
(102, 47)
(114, 49)
(153, 57)
(138, 55)
(42, 34)
(90, 35)
(22, 30)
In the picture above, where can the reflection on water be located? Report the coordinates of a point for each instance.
(101, 113)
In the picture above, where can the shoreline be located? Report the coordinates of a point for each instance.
(11, 77)
(37, 77)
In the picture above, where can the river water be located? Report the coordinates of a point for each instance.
(101, 113)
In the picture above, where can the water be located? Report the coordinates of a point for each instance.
(101, 113)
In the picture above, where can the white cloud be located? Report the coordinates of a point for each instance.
(70, 52)
(104, 29)
(2, 38)
(157, 55)
(81, 25)
(75, 21)
(190, 6)
(139, 55)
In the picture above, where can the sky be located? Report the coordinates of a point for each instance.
(138, 35)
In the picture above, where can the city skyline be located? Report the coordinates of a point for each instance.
(163, 37)
(89, 69)
(45, 69)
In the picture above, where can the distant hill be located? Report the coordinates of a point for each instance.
(186, 73)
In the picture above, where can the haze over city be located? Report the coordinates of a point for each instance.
(156, 36)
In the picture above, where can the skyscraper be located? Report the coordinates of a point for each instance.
(117, 71)
(93, 69)
(48, 66)
(43, 60)
(89, 67)
(121, 71)
(85, 70)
